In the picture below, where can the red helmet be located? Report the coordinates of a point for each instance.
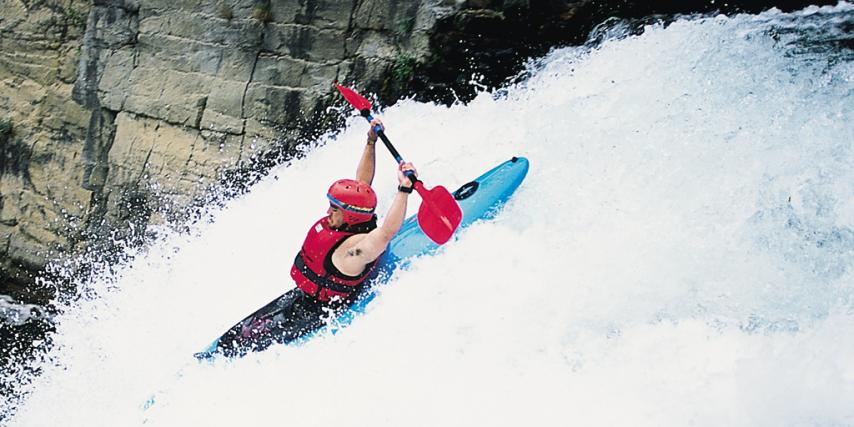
(356, 200)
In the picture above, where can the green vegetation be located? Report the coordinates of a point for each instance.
(263, 12)
(5, 130)
(14, 155)
(403, 68)
(75, 18)
(405, 26)
(225, 11)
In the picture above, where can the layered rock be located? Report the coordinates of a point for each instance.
(167, 96)
(181, 91)
(41, 139)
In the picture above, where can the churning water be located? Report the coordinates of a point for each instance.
(682, 253)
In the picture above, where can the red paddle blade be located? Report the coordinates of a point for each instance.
(439, 214)
(356, 100)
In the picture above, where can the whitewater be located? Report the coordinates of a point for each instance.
(681, 253)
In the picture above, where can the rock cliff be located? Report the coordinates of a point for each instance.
(119, 113)
(41, 132)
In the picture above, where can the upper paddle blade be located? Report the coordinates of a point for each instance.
(356, 100)
(439, 214)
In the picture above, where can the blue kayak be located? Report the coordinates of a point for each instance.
(479, 199)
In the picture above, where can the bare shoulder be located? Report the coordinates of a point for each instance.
(350, 258)
(350, 247)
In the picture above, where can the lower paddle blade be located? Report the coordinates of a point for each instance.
(439, 214)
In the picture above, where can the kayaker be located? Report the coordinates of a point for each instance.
(341, 249)
(335, 262)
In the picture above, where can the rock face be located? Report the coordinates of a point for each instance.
(124, 112)
(41, 133)
(117, 113)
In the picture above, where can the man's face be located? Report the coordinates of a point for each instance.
(335, 216)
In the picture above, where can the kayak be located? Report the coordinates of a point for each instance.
(479, 199)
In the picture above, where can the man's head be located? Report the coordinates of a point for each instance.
(350, 202)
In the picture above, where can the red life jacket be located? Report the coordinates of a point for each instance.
(313, 270)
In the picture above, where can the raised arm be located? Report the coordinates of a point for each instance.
(365, 171)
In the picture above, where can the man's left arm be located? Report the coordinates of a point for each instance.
(367, 163)
(366, 250)
(353, 259)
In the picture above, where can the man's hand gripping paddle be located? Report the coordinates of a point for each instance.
(439, 215)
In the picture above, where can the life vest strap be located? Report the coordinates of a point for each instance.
(320, 281)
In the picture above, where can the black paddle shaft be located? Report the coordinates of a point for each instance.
(409, 174)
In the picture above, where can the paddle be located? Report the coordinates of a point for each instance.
(439, 214)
